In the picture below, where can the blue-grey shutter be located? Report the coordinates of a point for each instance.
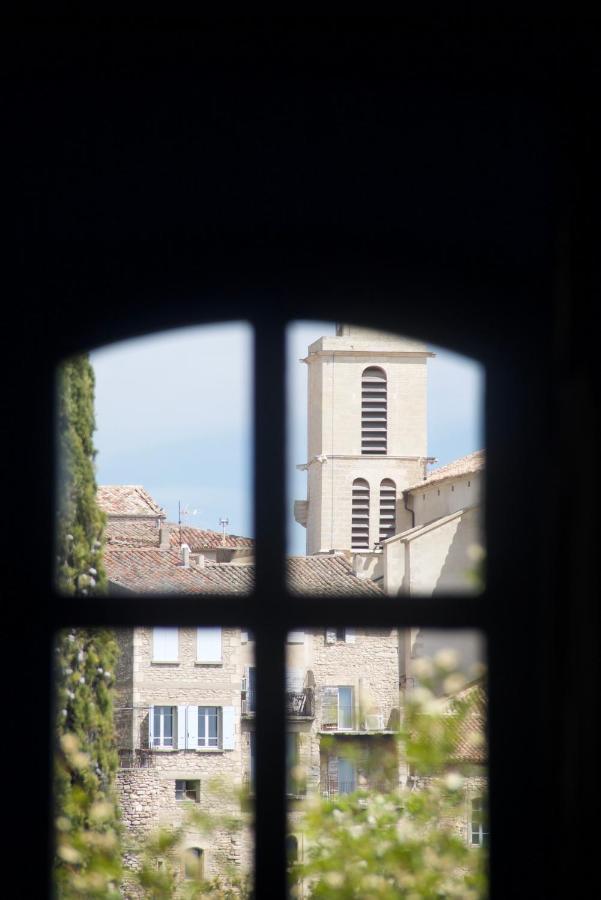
(349, 635)
(296, 637)
(228, 728)
(192, 728)
(330, 635)
(180, 726)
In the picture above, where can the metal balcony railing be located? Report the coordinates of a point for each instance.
(336, 788)
(136, 759)
(298, 703)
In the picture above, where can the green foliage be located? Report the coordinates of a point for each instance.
(402, 842)
(79, 520)
(88, 854)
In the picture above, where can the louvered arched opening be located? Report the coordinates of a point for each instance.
(360, 515)
(387, 508)
(373, 412)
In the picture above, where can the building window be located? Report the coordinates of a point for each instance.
(193, 864)
(373, 412)
(340, 635)
(249, 691)
(341, 777)
(478, 823)
(252, 747)
(165, 645)
(208, 645)
(293, 788)
(337, 709)
(360, 515)
(162, 722)
(187, 790)
(387, 508)
(208, 726)
(291, 849)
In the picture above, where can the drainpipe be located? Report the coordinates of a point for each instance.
(412, 511)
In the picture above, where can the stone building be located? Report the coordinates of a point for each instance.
(376, 521)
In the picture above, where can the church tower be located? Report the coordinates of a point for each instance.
(367, 437)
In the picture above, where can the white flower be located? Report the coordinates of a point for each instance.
(64, 712)
(80, 656)
(82, 680)
(92, 571)
(68, 671)
(100, 670)
(454, 781)
(453, 683)
(334, 879)
(70, 695)
(447, 659)
(92, 582)
(107, 674)
(69, 537)
(423, 668)
(71, 637)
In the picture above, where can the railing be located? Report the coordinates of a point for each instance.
(298, 703)
(136, 759)
(336, 788)
(301, 703)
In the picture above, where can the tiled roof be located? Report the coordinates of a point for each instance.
(151, 570)
(471, 739)
(127, 500)
(465, 465)
(123, 533)
(331, 575)
(199, 539)
(160, 571)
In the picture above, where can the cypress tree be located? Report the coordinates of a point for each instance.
(87, 829)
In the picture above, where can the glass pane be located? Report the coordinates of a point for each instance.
(164, 754)
(157, 431)
(388, 803)
(386, 466)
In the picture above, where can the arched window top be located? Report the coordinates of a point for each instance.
(374, 412)
(374, 373)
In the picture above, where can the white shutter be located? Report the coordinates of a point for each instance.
(180, 727)
(151, 727)
(208, 644)
(227, 728)
(349, 635)
(330, 635)
(294, 680)
(192, 728)
(296, 637)
(164, 644)
(244, 637)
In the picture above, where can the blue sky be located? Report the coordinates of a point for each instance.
(174, 413)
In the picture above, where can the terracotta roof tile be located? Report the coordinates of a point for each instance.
(199, 539)
(465, 465)
(127, 500)
(140, 533)
(150, 570)
(471, 739)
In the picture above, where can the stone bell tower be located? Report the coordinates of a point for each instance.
(367, 435)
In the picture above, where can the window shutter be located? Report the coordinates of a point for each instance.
(151, 727)
(208, 644)
(330, 635)
(374, 412)
(346, 776)
(180, 727)
(191, 728)
(294, 680)
(244, 637)
(296, 637)
(164, 644)
(332, 775)
(227, 728)
(360, 515)
(387, 509)
(349, 635)
(329, 707)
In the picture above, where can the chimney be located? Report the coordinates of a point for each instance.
(164, 536)
(185, 556)
(197, 560)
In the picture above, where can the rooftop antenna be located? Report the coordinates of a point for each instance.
(182, 513)
(224, 523)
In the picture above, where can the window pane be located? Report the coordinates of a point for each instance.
(176, 730)
(169, 462)
(399, 738)
(385, 454)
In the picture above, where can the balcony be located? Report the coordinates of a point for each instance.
(136, 759)
(299, 704)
